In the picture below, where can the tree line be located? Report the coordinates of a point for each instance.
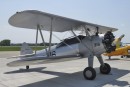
(7, 42)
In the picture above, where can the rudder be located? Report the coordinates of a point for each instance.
(25, 49)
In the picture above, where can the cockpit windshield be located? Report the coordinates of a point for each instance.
(70, 41)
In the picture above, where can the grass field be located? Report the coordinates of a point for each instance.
(17, 48)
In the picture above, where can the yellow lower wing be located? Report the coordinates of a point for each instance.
(119, 51)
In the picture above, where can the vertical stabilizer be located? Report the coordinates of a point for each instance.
(118, 41)
(25, 49)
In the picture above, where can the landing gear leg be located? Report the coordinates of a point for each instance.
(89, 72)
(109, 57)
(104, 67)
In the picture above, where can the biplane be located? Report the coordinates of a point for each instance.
(96, 40)
(120, 49)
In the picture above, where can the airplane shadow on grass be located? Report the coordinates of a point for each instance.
(75, 79)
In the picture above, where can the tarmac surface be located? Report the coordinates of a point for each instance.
(63, 74)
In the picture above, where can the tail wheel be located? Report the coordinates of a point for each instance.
(105, 69)
(122, 56)
(27, 67)
(89, 73)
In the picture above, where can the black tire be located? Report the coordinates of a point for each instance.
(105, 69)
(122, 56)
(89, 73)
(27, 67)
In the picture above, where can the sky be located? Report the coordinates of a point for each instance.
(111, 13)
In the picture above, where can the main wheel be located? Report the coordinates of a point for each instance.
(89, 73)
(27, 67)
(105, 69)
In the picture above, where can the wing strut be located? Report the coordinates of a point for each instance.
(39, 28)
(50, 37)
(87, 35)
(65, 43)
(36, 40)
(86, 31)
(75, 36)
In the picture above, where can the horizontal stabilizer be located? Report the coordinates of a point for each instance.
(26, 51)
(19, 56)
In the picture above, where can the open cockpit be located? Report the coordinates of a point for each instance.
(70, 41)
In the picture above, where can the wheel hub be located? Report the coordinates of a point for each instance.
(88, 73)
